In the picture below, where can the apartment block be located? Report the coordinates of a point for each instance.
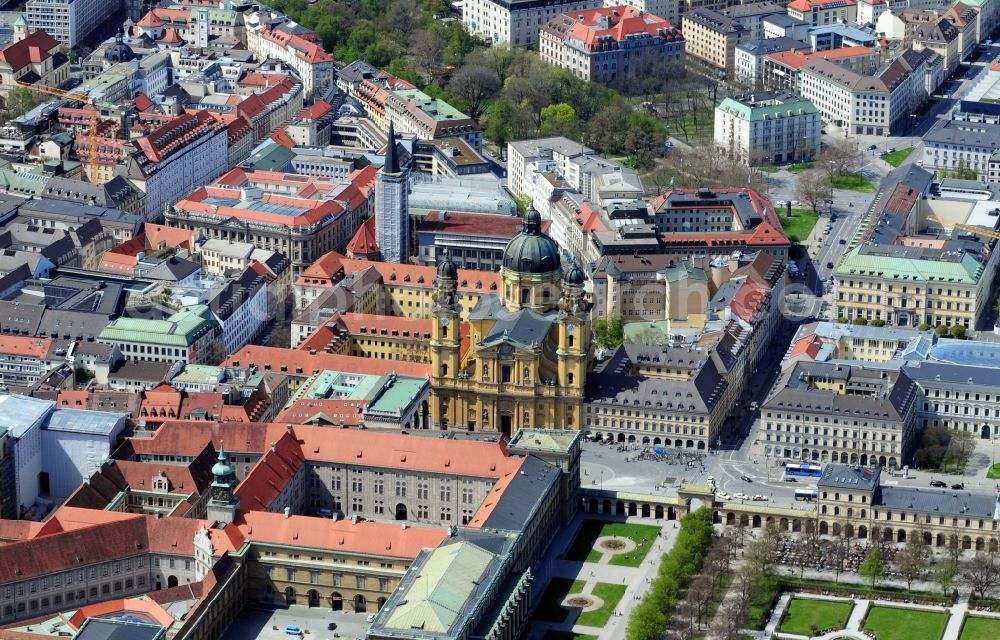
(613, 45)
(768, 128)
(69, 21)
(515, 23)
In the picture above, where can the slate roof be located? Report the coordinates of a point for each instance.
(843, 476)
(521, 499)
(943, 501)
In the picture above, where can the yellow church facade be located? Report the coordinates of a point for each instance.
(521, 359)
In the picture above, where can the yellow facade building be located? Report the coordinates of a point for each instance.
(521, 360)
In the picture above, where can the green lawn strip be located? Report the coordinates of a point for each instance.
(763, 601)
(550, 608)
(897, 157)
(800, 225)
(846, 588)
(803, 613)
(994, 472)
(977, 628)
(566, 635)
(582, 549)
(889, 623)
(611, 594)
(770, 169)
(852, 182)
(705, 127)
(800, 167)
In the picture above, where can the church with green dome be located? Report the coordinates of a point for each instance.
(521, 359)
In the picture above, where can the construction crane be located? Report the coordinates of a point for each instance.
(979, 231)
(92, 173)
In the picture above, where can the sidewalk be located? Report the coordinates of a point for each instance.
(637, 579)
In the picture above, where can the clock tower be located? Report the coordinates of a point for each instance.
(446, 337)
(222, 504)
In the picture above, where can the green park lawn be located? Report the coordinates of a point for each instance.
(980, 629)
(800, 225)
(897, 157)
(550, 608)
(994, 472)
(799, 167)
(802, 613)
(611, 594)
(852, 182)
(582, 549)
(889, 623)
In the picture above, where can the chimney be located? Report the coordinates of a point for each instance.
(288, 511)
(274, 446)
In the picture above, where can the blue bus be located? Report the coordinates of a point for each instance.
(804, 470)
(807, 495)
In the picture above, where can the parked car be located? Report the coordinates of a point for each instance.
(958, 486)
(331, 626)
(746, 478)
(760, 498)
(722, 495)
(939, 484)
(370, 618)
(790, 479)
(872, 147)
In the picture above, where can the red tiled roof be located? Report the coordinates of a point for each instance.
(593, 27)
(363, 537)
(807, 5)
(318, 109)
(103, 609)
(272, 473)
(281, 137)
(479, 224)
(809, 345)
(364, 242)
(333, 264)
(142, 103)
(188, 438)
(25, 346)
(302, 363)
(34, 48)
(175, 134)
(305, 49)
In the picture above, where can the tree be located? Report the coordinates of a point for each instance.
(860, 321)
(878, 322)
(957, 332)
(523, 202)
(427, 51)
(474, 86)
(873, 567)
(982, 574)
(944, 575)
(19, 102)
(609, 332)
(558, 119)
(912, 560)
(499, 59)
(839, 157)
(813, 188)
(923, 326)
(498, 123)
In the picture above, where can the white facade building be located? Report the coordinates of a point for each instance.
(515, 23)
(74, 444)
(768, 128)
(69, 21)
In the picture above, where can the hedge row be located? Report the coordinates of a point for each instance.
(649, 620)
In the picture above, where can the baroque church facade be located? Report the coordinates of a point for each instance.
(521, 359)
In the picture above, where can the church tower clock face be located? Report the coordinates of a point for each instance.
(444, 322)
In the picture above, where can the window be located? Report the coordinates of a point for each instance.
(360, 580)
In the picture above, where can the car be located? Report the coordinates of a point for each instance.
(781, 203)
(292, 630)
(843, 241)
(891, 150)
(958, 486)
(939, 484)
(872, 147)
(746, 478)
(828, 227)
(332, 626)
(829, 265)
(740, 496)
(790, 479)
(722, 495)
(370, 618)
(760, 498)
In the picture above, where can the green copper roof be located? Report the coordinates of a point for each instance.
(772, 111)
(179, 330)
(443, 585)
(439, 110)
(394, 399)
(967, 270)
